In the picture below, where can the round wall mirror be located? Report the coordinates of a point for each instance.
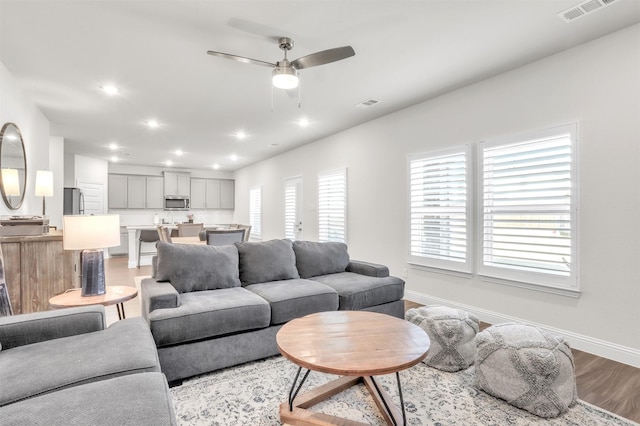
(13, 166)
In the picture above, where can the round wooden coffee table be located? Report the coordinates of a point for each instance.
(115, 295)
(354, 344)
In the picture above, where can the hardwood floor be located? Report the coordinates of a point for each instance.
(601, 382)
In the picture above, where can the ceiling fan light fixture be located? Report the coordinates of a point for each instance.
(285, 77)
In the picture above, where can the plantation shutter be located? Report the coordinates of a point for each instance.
(528, 210)
(255, 212)
(439, 210)
(290, 210)
(332, 198)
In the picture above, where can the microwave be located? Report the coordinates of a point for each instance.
(176, 202)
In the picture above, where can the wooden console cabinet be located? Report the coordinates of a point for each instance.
(36, 268)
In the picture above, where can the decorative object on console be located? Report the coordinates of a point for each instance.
(91, 234)
(44, 186)
(23, 225)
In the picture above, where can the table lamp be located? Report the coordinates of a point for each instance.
(91, 234)
(44, 186)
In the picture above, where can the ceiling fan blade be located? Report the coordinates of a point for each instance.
(323, 57)
(241, 59)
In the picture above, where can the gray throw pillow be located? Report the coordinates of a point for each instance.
(266, 261)
(191, 267)
(314, 259)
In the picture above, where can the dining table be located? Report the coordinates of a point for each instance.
(187, 240)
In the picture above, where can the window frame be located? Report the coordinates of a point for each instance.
(256, 223)
(443, 265)
(342, 172)
(547, 282)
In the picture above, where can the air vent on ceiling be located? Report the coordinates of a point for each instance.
(583, 9)
(367, 104)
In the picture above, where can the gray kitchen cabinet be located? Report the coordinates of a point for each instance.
(212, 198)
(155, 192)
(136, 192)
(198, 191)
(227, 194)
(117, 191)
(177, 183)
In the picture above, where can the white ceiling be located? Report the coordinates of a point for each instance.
(60, 52)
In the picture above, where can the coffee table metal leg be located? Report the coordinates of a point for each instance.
(386, 404)
(292, 394)
(120, 307)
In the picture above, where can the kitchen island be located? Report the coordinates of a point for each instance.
(148, 250)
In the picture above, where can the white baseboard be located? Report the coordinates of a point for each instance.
(602, 348)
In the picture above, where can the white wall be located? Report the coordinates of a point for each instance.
(18, 109)
(55, 204)
(596, 85)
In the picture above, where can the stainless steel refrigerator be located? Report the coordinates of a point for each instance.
(73, 201)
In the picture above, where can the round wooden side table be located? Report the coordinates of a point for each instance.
(115, 295)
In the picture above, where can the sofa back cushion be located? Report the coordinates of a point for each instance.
(266, 261)
(192, 267)
(313, 259)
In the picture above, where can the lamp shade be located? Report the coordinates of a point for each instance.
(91, 232)
(11, 181)
(44, 183)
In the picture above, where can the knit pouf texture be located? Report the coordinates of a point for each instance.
(527, 367)
(451, 332)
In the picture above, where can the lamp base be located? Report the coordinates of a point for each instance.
(93, 282)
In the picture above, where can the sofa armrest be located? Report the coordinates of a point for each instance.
(369, 269)
(157, 295)
(37, 327)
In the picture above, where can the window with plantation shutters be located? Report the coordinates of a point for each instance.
(440, 210)
(528, 208)
(292, 208)
(255, 212)
(332, 206)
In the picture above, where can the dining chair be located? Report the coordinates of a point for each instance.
(164, 233)
(247, 231)
(189, 229)
(147, 236)
(224, 237)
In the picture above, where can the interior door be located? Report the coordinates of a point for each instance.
(293, 208)
(93, 196)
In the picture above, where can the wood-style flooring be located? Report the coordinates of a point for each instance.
(602, 382)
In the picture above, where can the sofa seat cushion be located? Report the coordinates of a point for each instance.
(360, 291)
(291, 299)
(192, 267)
(125, 347)
(265, 261)
(135, 399)
(206, 314)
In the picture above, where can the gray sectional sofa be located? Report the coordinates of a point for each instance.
(213, 307)
(65, 367)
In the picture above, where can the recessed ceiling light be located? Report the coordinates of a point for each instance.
(233, 157)
(241, 135)
(168, 163)
(179, 152)
(303, 122)
(113, 146)
(153, 124)
(216, 166)
(110, 89)
(114, 159)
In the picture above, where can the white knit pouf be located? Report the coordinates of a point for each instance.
(527, 367)
(451, 332)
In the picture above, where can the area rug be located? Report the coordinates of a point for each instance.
(251, 394)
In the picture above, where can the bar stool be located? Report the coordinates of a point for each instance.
(146, 236)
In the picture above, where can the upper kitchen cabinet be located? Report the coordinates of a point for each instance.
(117, 191)
(135, 192)
(177, 183)
(212, 193)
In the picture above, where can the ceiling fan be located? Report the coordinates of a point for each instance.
(285, 72)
